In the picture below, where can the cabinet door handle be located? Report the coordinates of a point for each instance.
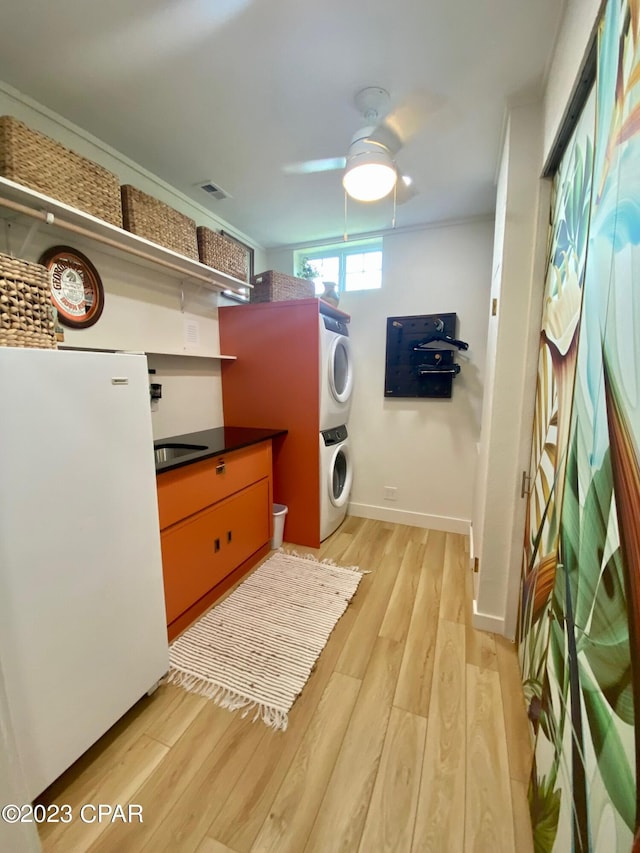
(228, 536)
(216, 545)
(220, 468)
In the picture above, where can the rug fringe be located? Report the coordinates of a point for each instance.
(275, 718)
(326, 562)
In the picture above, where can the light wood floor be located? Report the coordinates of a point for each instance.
(411, 734)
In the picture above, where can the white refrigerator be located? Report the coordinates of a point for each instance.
(82, 619)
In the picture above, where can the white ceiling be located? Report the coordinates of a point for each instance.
(234, 90)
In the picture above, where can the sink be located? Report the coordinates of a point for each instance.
(166, 452)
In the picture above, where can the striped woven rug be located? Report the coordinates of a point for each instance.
(256, 649)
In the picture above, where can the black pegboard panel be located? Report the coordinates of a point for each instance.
(406, 371)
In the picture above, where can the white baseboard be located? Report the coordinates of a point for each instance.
(413, 519)
(486, 621)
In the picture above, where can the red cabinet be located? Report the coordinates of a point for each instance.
(186, 490)
(216, 520)
(275, 379)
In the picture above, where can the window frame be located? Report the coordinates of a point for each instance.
(342, 251)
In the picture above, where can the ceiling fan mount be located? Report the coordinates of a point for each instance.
(373, 103)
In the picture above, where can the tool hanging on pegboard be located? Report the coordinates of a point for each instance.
(419, 355)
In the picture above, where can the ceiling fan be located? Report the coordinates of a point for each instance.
(371, 172)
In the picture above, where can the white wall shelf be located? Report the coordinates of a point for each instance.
(195, 355)
(25, 205)
(215, 356)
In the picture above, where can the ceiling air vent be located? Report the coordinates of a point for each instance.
(215, 190)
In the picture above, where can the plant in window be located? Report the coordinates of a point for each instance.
(307, 270)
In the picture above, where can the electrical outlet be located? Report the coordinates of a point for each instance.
(390, 493)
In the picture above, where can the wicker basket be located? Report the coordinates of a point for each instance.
(221, 253)
(154, 220)
(26, 310)
(36, 161)
(272, 286)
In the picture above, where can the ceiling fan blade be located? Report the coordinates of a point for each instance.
(405, 189)
(385, 135)
(406, 120)
(309, 166)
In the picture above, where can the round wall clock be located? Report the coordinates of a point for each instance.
(76, 288)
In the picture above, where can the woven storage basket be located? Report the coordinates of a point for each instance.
(221, 253)
(26, 311)
(36, 161)
(148, 217)
(272, 286)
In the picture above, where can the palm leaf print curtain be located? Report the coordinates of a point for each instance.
(579, 625)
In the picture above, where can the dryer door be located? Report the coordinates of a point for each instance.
(340, 475)
(340, 369)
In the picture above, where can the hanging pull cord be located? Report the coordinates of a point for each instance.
(395, 197)
(345, 236)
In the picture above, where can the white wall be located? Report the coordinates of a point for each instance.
(518, 281)
(570, 49)
(480, 489)
(426, 448)
(517, 286)
(190, 401)
(144, 309)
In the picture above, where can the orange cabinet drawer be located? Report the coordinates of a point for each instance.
(187, 490)
(200, 552)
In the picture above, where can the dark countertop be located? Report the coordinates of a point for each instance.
(215, 442)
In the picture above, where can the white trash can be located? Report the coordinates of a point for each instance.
(279, 513)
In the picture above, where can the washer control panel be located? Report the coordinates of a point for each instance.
(335, 435)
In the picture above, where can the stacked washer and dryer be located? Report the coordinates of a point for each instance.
(336, 386)
(293, 370)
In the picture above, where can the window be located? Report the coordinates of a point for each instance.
(353, 266)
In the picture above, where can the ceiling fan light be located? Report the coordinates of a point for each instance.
(370, 177)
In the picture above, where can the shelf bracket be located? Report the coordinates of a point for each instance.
(194, 287)
(33, 230)
(7, 236)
